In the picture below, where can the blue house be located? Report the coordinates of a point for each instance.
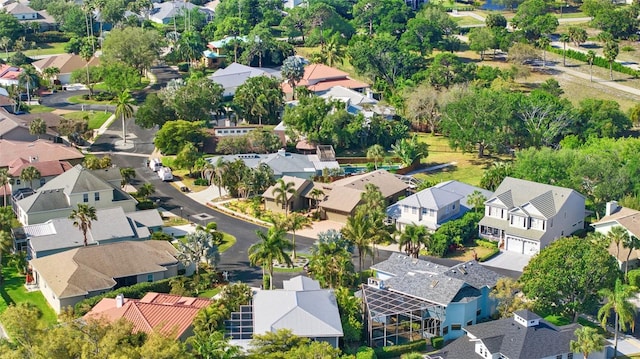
(410, 299)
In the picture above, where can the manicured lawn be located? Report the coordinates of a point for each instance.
(210, 293)
(13, 291)
(175, 221)
(41, 49)
(96, 119)
(227, 242)
(40, 109)
(467, 20)
(80, 99)
(144, 82)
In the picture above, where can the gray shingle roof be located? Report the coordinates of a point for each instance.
(282, 164)
(431, 198)
(513, 340)
(464, 190)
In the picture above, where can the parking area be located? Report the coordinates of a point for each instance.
(509, 260)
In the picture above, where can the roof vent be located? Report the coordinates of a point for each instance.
(463, 271)
(434, 283)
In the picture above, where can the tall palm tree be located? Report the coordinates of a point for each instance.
(28, 79)
(272, 247)
(543, 42)
(334, 52)
(50, 74)
(124, 108)
(358, 232)
(4, 180)
(29, 174)
(315, 195)
(82, 218)
(376, 153)
(296, 222)
(618, 235)
(588, 341)
(6, 243)
(281, 193)
(38, 127)
(412, 239)
(591, 57)
(617, 301)
(127, 174)
(564, 38)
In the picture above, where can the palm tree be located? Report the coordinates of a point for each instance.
(294, 223)
(476, 199)
(4, 181)
(588, 341)
(358, 232)
(50, 74)
(38, 127)
(127, 174)
(334, 51)
(82, 218)
(124, 108)
(281, 193)
(272, 247)
(610, 52)
(376, 153)
(315, 195)
(28, 79)
(617, 301)
(564, 38)
(618, 235)
(631, 243)
(6, 243)
(412, 239)
(5, 43)
(543, 42)
(591, 56)
(29, 174)
(146, 190)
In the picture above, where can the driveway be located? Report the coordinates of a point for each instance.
(510, 261)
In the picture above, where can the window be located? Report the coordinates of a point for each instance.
(453, 206)
(85, 198)
(559, 356)
(149, 277)
(478, 312)
(570, 356)
(456, 326)
(424, 211)
(470, 323)
(445, 330)
(414, 210)
(96, 196)
(17, 182)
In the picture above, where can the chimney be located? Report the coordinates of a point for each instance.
(611, 208)
(119, 300)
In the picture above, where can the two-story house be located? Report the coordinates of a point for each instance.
(434, 206)
(48, 170)
(411, 299)
(58, 197)
(525, 216)
(524, 336)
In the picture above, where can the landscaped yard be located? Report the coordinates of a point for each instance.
(80, 99)
(96, 119)
(13, 291)
(40, 109)
(210, 293)
(41, 49)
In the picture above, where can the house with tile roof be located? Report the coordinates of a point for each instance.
(357, 102)
(59, 234)
(235, 75)
(40, 150)
(627, 218)
(525, 216)
(68, 277)
(66, 63)
(301, 306)
(9, 75)
(410, 299)
(434, 206)
(320, 77)
(169, 314)
(524, 336)
(58, 197)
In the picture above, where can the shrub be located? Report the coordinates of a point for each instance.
(201, 182)
(161, 236)
(599, 61)
(365, 353)
(627, 48)
(412, 356)
(183, 67)
(486, 244)
(145, 204)
(437, 342)
(489, 255)
(395, 351)
(48, 36)
(634, 277)
(135, 291)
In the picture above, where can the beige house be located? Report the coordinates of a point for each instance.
(525, 216)
(71, 276)
(66, 63)
(58, 197)
(627, 218)
(295, 201)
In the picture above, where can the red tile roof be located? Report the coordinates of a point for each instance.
(46, 168)
(44, 150)
(170, 314)
(9, 72)
(319, 77)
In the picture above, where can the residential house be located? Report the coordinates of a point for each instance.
(42, 150)
(48, 170)
(59, 234)
(525, 216)
(58, 197)
(68, 277)
(434, 206)
(627, 218)
(524, 336)
(290, 4)
(7, 103)
(166, 12)
(21, 11)
(320, 77)
(357, 102)
(301, 307)
(66, 63)
(232, 131)
(411, 299)
(16, 128)
(169, 314)
(9, 75)
(284, 163)
(295, 200)
(235, 75)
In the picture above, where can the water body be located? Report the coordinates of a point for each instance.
(489, 5)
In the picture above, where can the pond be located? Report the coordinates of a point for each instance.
(489, 5)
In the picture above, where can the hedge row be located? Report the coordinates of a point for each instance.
(486, 244)
(437, 342)
(489, 255)
(598, 61)
(136, 291)
(48, 36)
(366, 353)
(395, 351)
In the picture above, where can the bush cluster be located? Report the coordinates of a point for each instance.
(437, 342)
(456, 232)
(395, 351)
(366, 353)
(48, 36)
(136, 291)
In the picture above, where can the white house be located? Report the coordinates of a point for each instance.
(434, 206)
(21, 11)
(627, 218)
(525, 216)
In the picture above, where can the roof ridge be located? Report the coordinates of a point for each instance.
(134, 306)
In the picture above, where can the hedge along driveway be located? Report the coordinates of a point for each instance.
(13, 291)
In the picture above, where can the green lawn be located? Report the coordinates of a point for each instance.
(80, 99)
(227, 242)
(13, 291)
(144, 82)
(96, 119)
(467, 20)
(40, 109)
(210, 293)
(41, 49)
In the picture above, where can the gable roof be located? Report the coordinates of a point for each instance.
(320, 77)
(306, 311)
(18, 8)
(172, 313)
(280, 162)
(234, 75)
(435, 283)
(299, 184)
(625, 217)
(8, 72)
(46, 168)
(387, 182)
(431, 198)
(42, 149)
(513, 340)
(82, 270)
(66, 63)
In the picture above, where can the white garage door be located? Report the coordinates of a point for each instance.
(515, 245)
(531, 248)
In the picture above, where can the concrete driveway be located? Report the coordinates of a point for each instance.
(509, 260)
